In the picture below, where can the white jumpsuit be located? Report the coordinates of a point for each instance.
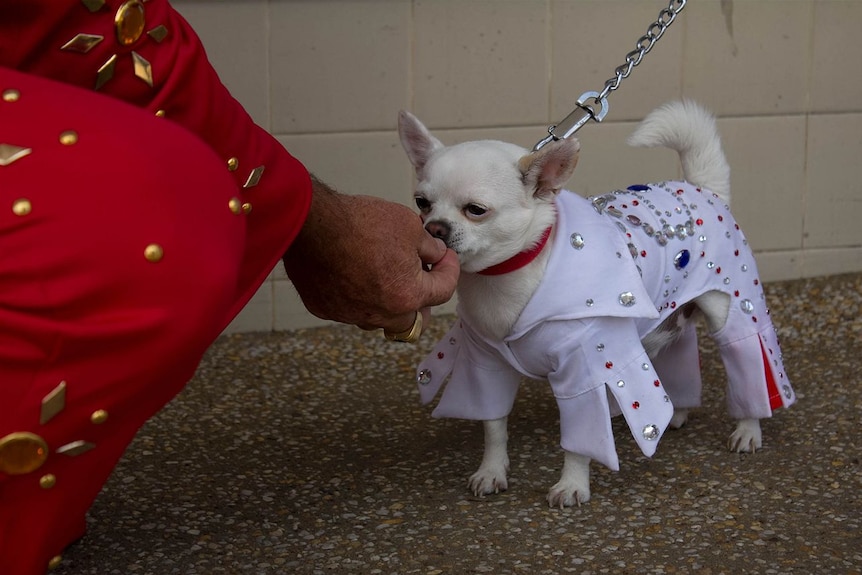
(621, 264)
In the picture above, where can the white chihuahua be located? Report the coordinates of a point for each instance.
(596, 295)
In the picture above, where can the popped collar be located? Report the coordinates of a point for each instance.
(620, 264)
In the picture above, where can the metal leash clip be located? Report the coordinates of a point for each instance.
(582, 114)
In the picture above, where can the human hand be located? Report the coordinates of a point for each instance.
(368, 262)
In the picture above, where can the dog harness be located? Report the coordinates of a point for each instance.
(621, 264)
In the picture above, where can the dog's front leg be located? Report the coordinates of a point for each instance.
(491, 475)
(573, 488)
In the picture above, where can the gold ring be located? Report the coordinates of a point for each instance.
(410, 335)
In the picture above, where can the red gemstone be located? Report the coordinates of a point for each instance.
(609, 364)
(720, 218)
(756, 282)
(636, 405)
(625, 207)
(439, 355)
(718, 270)
(679, 192)
(656, 383)
(635, 203)
(754, 319)
(736, 252)
(673, 305)
(643, 253)
(699, 222)
(736, 293)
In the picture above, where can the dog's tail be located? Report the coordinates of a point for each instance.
(689, 129)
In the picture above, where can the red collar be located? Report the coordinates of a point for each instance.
(519, 260)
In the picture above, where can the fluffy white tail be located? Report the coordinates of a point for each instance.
(689, 129)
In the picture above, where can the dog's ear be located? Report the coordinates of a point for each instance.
(416, 140)
(547, 170)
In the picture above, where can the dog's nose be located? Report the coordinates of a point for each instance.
(439, 230)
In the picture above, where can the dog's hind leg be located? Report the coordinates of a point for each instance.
(715, 306)
(491, 475)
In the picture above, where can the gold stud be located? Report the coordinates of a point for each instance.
(254, 177)
(246, 208)
(75, 448)
(160, 113)
(48, 481)
(158, 33)
(99, 417)
(154, 253)
(82, 43)
(10, 153)
(11, 95)
(235, 206)
(22, 452)
(129, 22)
(69, 138)
(143, 70)
(232, 164)
(106, 71)
(55, 562)
(93, 5)
(53, 403)
(22, 207)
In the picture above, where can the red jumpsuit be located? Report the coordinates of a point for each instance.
(140, 209)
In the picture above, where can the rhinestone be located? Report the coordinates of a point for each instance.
(452, 341)
(633, 250)
(600, 347)
(645, 366)
(154, 253)
(746, 306)
(744, 268)
(11, 95)
(636, 405)
(577, 241)
(69, 138)
(440, 355)
(702, 238)
(22, 452)
(681, 259)
(650, 432)
(662, 241)
(627, 299)
(787, 391)
(599, 204)
(424, 377)
(47, 481)
(667, 230)
(710, 265)
(614, 212)
(667, 279)
(648, 230)
(657, 383)
(590, 302)
(621, 383)
(681, 232)
(99, 417)
(726, 281)
(638, 188)
(22, 207)
(633, 220)
(129, 22)
(609, 364)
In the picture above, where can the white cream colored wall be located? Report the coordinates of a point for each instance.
(328, 77)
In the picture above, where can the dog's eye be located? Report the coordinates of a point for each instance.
(423, 204)
(475, 210)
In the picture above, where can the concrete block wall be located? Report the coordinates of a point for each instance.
(327, 78)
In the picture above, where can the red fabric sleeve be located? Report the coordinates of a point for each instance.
(34, 38)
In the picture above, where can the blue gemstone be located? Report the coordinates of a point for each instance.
(681, 259)
(638, 188)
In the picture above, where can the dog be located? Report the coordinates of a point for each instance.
(596, 295)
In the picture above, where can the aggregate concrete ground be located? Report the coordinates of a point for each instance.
(308, 452)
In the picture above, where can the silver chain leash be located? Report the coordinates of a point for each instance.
(585, 110)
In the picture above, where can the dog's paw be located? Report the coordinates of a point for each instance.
(746, 437)
(487, 480)
(680, 416)
(569, 494)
